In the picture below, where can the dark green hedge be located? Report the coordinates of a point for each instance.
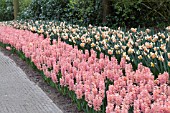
(129, 13)
(6, 10)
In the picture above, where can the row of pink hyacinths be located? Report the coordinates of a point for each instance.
(140, 90)
(135, 88)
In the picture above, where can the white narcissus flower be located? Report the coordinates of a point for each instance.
(147, 30)
(153, 55)
(126, 38)
(168, 55)
(97, 37)
(152, 64)
(54, 30)
(98, 48)
(90, 26)
(124, 54)
(110, 52)
(161, 53)
(122, 40)
(119, 35)
(130, 51)
(83, 39)
(163, 47)
(116, 46)
(136, 44)
(58, 34)
(74, 41)
(117, 51)
(131, 41)
(160, 58)
(36, 22)
(93, 32)
(82, 45)
(88, 40)
(168, 28)
(105, 28)
(167, 39)
(108, 37)
(133, 30)
(137, 52)
(155, 48)
(160, 40)
(93, 44)
(70, 28)
(124, 47)
(148, 56)
(33, 28)
(128, 44)
(144, 53)
(155, 38)
(120, 43)
(77, 37)
(105, 46)
(50, 23)
(47, 33)
(140, 47)
(127, 58)
(121, 51)
(65, 37)
(169, 64)
(103, 42)
(149, 38)
(140, 57)
(73, 38)
(163, 36)
(103, 35)
(113, 39)
(147, 50)
(94, 29)
(70, 40)
(148, 45)
(138, 40)
(41, 31)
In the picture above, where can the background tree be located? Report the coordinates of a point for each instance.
(105, 9)
(16, 8)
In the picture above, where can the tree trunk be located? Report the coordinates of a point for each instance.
(16, 8)
(106, 7)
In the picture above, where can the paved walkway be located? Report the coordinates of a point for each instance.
(18, 94)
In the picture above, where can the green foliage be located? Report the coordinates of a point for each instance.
(156, 12)
(83, 11)
(44, 9)
(6, 10)
(145, 13)
(24, 4)
(129, 13)
(125, 12)
(74, 11)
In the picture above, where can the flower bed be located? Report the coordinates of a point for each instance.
(100, 85)
(137, 46)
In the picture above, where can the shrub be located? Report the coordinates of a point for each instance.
(44, 9)
(23, 4)
(6, 10)
(144, 13)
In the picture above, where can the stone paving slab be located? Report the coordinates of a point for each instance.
(20, 95)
